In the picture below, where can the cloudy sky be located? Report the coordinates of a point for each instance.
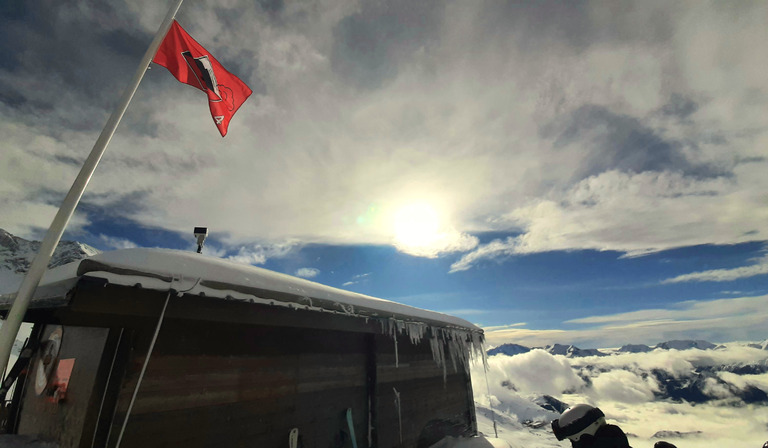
(587, 172)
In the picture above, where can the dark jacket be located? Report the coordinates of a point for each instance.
(607, 436)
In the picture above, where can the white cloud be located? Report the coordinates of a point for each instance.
(536, 371)
(624, 386)
(635, 214)
(441, 243)
(116, 242)
(741, 318)
(504, 327)
(744, 381)
(212, 250)
(675, 363)
(686, 311)
(493, 250)
(714, 388)
(258, 254)
(28, 219)
(307, 272)
(723, 275)
(359, 278)
(720, 426)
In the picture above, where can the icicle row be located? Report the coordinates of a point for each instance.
(462, 344)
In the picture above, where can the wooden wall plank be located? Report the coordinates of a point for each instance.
(227, 385)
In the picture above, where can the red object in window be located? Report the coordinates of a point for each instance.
(58, 391)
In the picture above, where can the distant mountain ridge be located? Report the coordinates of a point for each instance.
(16, 255)
(571, 351)
(685, 345)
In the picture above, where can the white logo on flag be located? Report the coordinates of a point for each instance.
(205, 75)
(218, 119)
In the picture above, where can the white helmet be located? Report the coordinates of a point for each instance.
(577, 421)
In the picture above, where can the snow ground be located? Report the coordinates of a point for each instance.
(512, 431)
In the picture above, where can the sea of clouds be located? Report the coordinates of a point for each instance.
(622, 386)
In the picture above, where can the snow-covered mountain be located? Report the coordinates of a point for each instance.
(634, 348)
(509, 350)
(571, 351)
(16, 255)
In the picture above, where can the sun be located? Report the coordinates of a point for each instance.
(416, 225)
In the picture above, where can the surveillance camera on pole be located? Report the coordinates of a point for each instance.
(200, 234)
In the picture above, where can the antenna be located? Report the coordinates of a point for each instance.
(201, 233)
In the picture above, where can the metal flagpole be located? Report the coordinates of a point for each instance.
(12, 323)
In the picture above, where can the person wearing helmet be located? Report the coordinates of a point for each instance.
(585, 427)
(663, 444)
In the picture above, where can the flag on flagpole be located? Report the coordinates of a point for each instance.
(192, 64)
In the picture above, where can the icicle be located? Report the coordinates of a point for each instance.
(399, 413)
(456, 350)
(479, 344)
(438, 353)
(461, 344)
(445, 375)
(397, 358)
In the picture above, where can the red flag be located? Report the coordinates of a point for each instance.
(191, 64)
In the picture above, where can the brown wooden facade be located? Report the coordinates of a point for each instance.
(232, 373)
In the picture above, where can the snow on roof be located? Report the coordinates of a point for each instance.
(196, 274)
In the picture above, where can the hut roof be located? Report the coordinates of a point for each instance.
(195, 274)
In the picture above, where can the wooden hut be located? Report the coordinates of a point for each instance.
(157, 348)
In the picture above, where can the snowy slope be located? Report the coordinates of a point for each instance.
(509, 428)
(16, 255)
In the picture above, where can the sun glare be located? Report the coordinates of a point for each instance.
(416, 225)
